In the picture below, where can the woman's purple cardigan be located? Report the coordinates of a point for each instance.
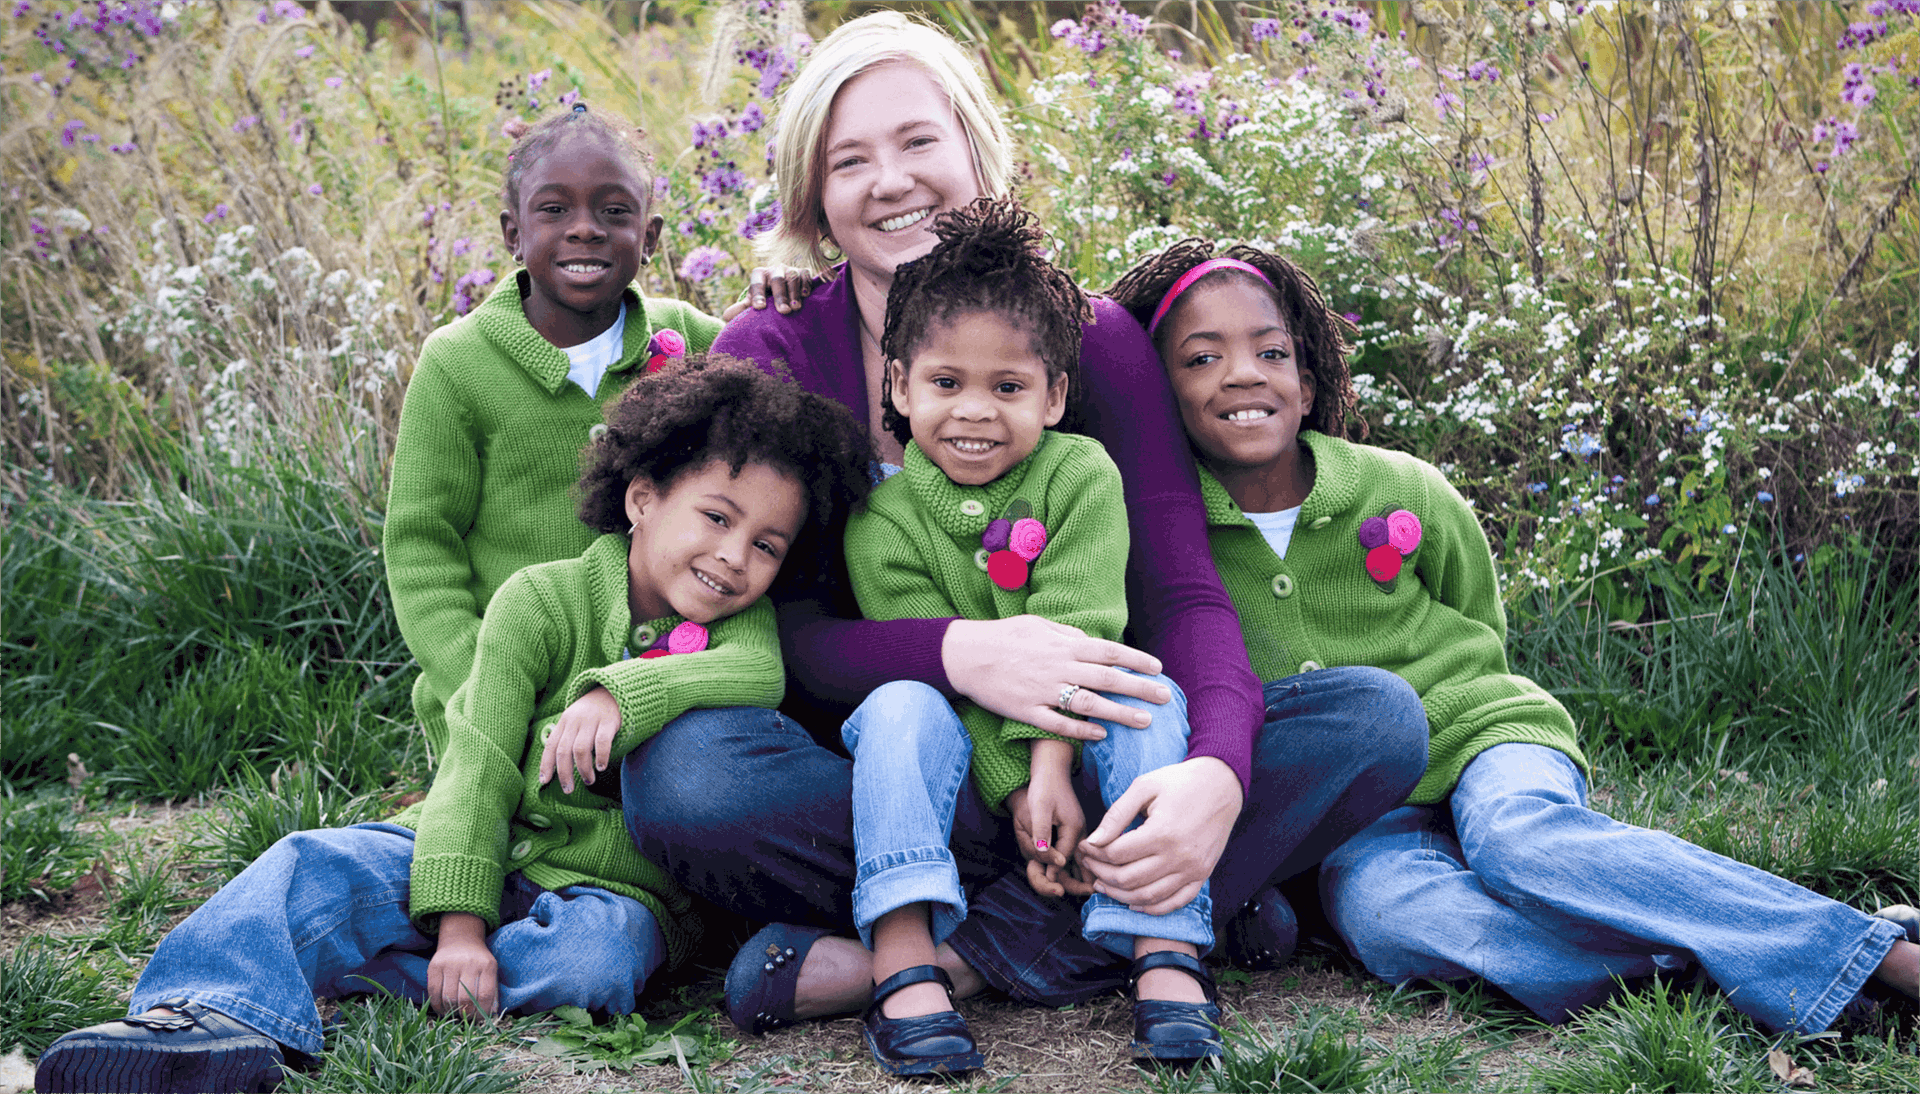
(1180, 612)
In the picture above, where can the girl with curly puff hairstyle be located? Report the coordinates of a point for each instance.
(993, 515)
(1343, 558)
(514, 886)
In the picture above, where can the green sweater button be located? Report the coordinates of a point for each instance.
(1282, 585)
(972, 507)
(520, 849)
(642, 637)
(1322, 522)
(980, 558)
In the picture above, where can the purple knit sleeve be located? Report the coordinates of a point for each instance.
(831, 654)
(1180, 611)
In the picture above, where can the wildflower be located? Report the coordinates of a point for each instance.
(660, 188)
(761, 222)
(304, 52)
(1536, 487)
(1763, 497)
(1262, 29)
(536, 80)
(1483, 70)
(246, 122)
(219, 213)
(1445, 103)
(123, 149)
(1653, 499)
(333, 81)
(570, 97)
(461, 246)
(703, 263)
(1170, 177)
(69, 131)
(1352, 317)
(287, 9)
(1727, 531)
(751, 119)
(316, 190)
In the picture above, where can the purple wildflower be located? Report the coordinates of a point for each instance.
(287, 9)
(702, 263)
(69, 131)
(569, 98)
(751, 119)
(219, 213)
(246, 122)
(123, 149)
(316, 190)
(761, 222)
(1264, 29)
(463, 288)
(1445, 103)
(304, 52)
(538, 79)
(333, 81)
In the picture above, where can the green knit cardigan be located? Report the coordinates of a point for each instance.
(552, 633)
(1439, 625)
(483, 472)
(915, 554)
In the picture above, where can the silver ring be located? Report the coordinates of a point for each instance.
(1065, 702)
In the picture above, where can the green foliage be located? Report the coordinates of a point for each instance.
(383, 1044)
(1660, 1039)
(46, 990)
(259, 812)
(629, 1041)
(1322, 1052)
(40, 852)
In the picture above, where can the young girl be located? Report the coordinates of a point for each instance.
(1341, 554)
(514, 886)
(502, 399)
(993, 516)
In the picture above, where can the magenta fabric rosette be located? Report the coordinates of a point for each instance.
(1373, 532)
(688, 637)
(999, 533)
(1403, 531)
(1028, 539)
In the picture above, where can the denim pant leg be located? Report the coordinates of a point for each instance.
(1340, 747)
(742, 806)
(1402, 897)
(1124, 754)
(1785, 955)
(911, 754)
(581, 946)
(300, 921)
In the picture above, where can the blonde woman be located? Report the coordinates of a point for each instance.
(887, 126)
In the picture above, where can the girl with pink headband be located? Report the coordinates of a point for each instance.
(1344, 558)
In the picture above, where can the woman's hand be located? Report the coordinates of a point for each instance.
(784, 286)
(582, 742)
(462, 977)
(1190, 809)
(1017, 668)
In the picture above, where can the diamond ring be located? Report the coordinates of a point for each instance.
(1065, 702)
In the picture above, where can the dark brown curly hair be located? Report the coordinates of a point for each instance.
(988, 260)
(1319, 335)
(709, 408)
(534, 141)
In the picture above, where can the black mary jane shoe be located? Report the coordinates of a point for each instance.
(930, 1044)
(193, 1048)
(1168, 1030)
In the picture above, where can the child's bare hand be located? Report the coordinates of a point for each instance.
(582, 742)
(462, 977)
(1048, 822)
(782, 286)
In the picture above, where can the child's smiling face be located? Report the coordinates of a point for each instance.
(582, 228)
(712, 543)
(1241, 391)
(977, 395)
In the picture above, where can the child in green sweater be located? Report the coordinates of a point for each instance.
(1343, 557)
(993, 516)
(502, 399)
(514, 886)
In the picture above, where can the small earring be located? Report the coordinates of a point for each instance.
(631, 527)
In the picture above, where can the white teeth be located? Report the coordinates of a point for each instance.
(1249, 415)
(583, 268)
(904, 221)
(712, 584)
(970, 447)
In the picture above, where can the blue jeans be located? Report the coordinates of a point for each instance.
(324, 912)
(911, 756)
(1514, 880)
(745, 808)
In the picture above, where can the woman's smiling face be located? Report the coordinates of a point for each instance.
(1230, 357)
(896, 156)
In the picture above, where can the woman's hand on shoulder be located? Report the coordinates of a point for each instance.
(785, 287)
(1190, 808)
(1018, 667)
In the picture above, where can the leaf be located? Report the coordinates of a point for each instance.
(1780, 1064)
(573, 1016)
(1233, 976)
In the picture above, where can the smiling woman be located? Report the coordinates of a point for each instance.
(888, 126)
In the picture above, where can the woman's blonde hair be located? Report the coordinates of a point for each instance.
(877, 38)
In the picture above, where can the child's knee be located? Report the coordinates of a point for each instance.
(906, 711)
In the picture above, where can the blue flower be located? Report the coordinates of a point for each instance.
(1764, 496)
(1653, 499)
(1536, 487)
(1727, 531)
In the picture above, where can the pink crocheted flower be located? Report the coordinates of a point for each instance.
(1403, 531)
(1029, 539)
(1373, 532)
(653, 653)
(998, 534)
(669, 342)
(1383, 563)
(688, 637)
(1008, 570)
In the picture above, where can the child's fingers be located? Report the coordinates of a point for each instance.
(1075, 880)
(1039, 875)
(603, 744)
(546, 761)
(583, 744)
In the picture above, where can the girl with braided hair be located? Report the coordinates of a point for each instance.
(1342, 557)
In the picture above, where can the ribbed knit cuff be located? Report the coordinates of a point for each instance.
(457, 883)
(1224, 727)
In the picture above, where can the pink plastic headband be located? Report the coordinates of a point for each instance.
(1187, 279)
